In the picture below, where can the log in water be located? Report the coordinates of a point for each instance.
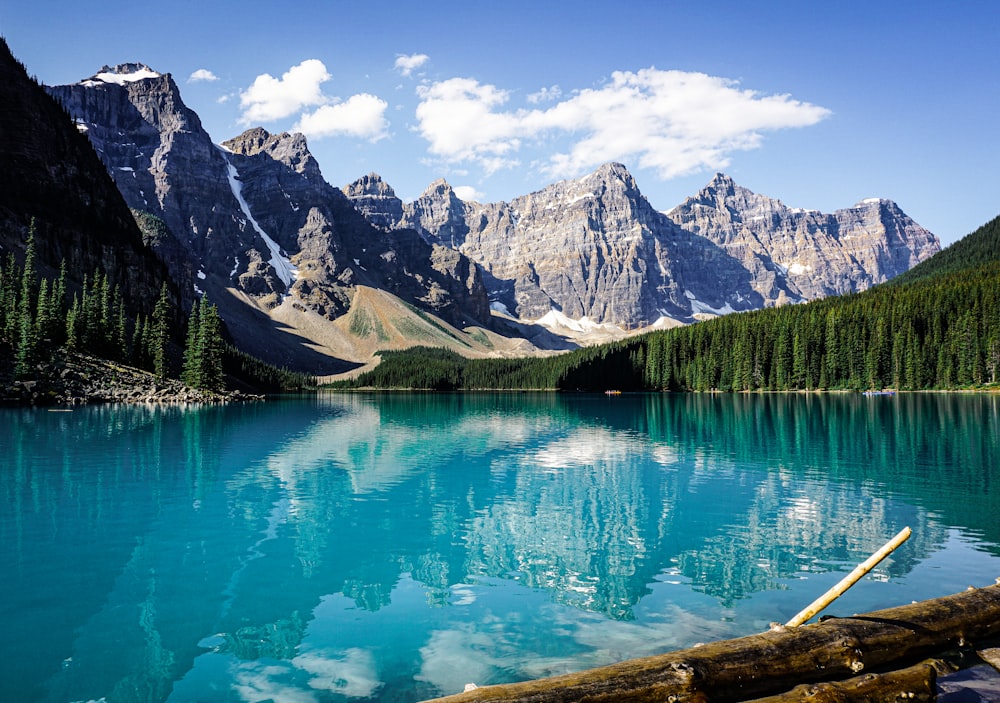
(774, 662)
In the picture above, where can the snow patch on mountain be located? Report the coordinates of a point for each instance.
(282, 265)
(137, 73)
(555, 319)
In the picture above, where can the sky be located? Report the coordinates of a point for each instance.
(820, 105)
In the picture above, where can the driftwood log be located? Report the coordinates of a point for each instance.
(917, 683)
(773, 662)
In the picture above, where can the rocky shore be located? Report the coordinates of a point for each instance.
(76, 379)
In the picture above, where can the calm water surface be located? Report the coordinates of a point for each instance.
(396, 547)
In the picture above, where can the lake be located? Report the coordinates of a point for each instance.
(396, 547)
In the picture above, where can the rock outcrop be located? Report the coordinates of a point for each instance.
(77, 379)
(376, 200)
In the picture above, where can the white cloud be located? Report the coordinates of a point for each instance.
(270, 98)
(202, 74)
(468, 194)
(546, 94)
(671, 121)
(361, 116)
(408, 64)
(457, 117)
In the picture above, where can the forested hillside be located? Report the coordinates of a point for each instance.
(939, 330)
(42, 318)
(979, 248)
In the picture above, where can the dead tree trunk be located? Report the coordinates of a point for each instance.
(773, 662)
(917, 683)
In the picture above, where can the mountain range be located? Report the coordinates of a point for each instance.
(319, 278)
(595, 248)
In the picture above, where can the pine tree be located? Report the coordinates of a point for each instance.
(211, 347)
(44, 315)
(120, 325)
(160, 334)
(192, 348)
(138, 355)
(73, 324)
(10, 281)
(27, 342)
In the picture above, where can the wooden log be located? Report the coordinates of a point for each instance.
(914, 683)
(775, 661)
(991, 656)
(852, 578)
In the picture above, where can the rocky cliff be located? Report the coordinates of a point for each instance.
(595, 248)
(795, 254)
(52, 176)
(259, 226)
(589, 248)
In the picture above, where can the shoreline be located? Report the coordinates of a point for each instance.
(72, 379)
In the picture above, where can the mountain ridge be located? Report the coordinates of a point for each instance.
(746, 251)
(797, 254)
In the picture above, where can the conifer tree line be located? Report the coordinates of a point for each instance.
(203, 348)
(939, 329)
(38, 316)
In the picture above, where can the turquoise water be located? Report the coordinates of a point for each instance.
(396, 547)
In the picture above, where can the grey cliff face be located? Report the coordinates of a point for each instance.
(164, 163)
(376, 200)
(595, 247)
(255, 214)
(592, 247)
(337, 247)
(797, 254)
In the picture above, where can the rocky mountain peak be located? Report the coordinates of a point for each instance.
(610, 176)
(874, 202)
(722, 190)
(123, 73)
(721, 184)
(721, 181)
(797, 254)
(370, 185)
(437, 189)
(250, 142)
(613, 169)
(376, 200)
(290, 149)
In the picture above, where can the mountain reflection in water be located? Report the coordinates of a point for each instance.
(397, 546)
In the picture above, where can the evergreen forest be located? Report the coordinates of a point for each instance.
(936, 327)
(39, 316)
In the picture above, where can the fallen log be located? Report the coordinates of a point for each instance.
(773, 662)
(916, 683)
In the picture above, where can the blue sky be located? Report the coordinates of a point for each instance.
(819, 105)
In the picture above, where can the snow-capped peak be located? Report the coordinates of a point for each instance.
(122, 74)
